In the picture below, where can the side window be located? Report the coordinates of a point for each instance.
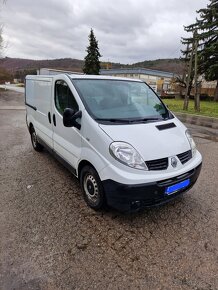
(64, 97)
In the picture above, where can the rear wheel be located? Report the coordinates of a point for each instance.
(36, 145)
(92, 188)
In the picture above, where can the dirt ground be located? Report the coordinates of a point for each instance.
(50, 239)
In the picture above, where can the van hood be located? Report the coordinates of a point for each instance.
(148, 140)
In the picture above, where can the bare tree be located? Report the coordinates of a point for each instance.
(2, 44)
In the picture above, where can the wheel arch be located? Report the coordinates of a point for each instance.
(30, 126)
(94, 197)
(82, 164)
(92, 158)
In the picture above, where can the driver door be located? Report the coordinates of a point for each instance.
(67, 141)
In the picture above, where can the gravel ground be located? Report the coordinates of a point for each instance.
(50, 239)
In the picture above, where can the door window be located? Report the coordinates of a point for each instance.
(64, 97)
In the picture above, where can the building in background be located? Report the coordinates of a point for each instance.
(160, 81)
(207, 87)
(50, 71)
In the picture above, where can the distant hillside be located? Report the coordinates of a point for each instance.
(16, 64)
(13, 65)
(170, 65)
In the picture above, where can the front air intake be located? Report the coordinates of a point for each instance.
(158, 164)
(165, 126)
(185, 156)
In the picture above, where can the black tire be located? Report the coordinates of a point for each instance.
(92, 188)
(36, 145)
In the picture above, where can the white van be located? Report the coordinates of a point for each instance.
(115, 135)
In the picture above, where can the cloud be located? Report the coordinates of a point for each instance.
(127, 30)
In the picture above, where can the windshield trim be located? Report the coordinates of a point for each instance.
(96, 119)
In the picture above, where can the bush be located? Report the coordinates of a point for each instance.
(168, 97)
(203, 97)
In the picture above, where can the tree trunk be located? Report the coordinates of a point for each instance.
(216, 93)
(197, 97)
(190, 87)
(189, 81)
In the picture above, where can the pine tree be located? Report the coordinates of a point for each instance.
(206, 32)
(92, 63)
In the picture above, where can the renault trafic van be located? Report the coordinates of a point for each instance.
(115, 135)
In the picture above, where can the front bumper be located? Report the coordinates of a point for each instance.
(127, 197)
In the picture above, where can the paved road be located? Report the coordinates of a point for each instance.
(49, 238)
(12, 87)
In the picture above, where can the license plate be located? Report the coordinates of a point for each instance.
(176, 187)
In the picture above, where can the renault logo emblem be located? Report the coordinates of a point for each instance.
(174, 162)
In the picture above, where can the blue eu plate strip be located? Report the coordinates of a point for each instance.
(176, 187)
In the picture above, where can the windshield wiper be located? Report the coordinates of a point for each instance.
(113, 120)
(128, 121)
(147, 119)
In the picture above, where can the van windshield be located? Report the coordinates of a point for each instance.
(120, 101)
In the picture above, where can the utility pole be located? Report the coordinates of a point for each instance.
(197, 97)
(186, 100)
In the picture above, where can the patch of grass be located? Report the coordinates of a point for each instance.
(208, 108)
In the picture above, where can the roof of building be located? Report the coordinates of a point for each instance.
(50, 71)
(144, 71)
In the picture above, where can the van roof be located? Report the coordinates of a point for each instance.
(81, 76)
(100, 77)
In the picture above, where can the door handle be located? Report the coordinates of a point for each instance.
(49, 117)
(54, 120)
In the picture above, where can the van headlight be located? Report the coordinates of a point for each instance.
(126, 154)
(191, 142)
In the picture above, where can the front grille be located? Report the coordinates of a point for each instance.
(185, 156)
(158, 164)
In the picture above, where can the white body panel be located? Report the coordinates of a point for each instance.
(123, 175)
(66, 141)
(39, 95)
(96, 150)
(149, 141)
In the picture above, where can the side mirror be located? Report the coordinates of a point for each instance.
(70, 116)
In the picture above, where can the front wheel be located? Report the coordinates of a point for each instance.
(36, 145)
(92, 188)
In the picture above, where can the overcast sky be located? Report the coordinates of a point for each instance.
(128, 31)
